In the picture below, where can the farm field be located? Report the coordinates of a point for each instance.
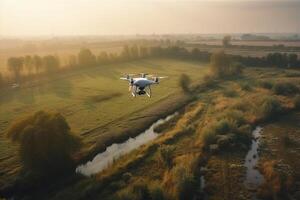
(253, 42)
(243, 52)
(89, 98)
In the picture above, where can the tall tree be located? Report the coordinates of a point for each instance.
(226, 40)
(293, 60)
(51, 63)
(46, 144)
(144, 52)
(15, 65)
(86, 58)
(103, 58)
(72, 62)
(28, 63)
(126, 53)
(134, 52)
(1, 80)
(37, 63)
(220, 64)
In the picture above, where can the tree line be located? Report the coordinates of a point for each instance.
(48, 64)
(33, 64)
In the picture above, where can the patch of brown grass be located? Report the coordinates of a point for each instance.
(278, 179)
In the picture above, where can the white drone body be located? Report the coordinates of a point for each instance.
(141, 85)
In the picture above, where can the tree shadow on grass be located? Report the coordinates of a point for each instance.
(61, 88)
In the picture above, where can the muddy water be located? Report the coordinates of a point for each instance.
(114, 151)
(253, 177)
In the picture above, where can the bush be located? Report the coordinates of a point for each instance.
(245, 86)
(166, 155)
(270, 108)
(184, 83)
(209, 136)
(126, 176)
(46, 143)
(230, 131)
(285, 88)
(229, 93)
(236, 69)
(266, 84)
(236, 116)
(208, 81)
(297, 102)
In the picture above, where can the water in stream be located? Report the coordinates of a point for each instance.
(253, 177)
(114, 151)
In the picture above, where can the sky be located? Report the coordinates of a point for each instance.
(123, 17)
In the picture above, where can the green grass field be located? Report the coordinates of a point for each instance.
(89, 98)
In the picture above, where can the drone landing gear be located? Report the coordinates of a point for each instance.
(148, 92)
(135, 92)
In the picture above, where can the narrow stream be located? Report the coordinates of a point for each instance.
(253, 177)
(114, 151)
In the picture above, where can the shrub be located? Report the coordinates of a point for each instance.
(285, 88)
(265, 84)
(223, 126)
(230, 131)
(166, 155)
(126, 176)
(229, 93)
(236, 116)
(297, 102)
(270, 108)
(236, 69)
(208, 81)
(46, 143)
(184, 83)
(245, 86)
(209, 136)
(242, 105)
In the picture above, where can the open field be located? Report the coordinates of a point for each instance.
(223, 169)
(90, 98)
(253, 42)
(245, 51)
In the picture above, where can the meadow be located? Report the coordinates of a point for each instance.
(184, 163)
(90, 98)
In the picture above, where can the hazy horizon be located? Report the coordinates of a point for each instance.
(130, 17)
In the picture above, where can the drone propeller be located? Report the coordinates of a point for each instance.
(161, 77)
(156, 79)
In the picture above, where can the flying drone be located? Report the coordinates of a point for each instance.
(141, 85)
